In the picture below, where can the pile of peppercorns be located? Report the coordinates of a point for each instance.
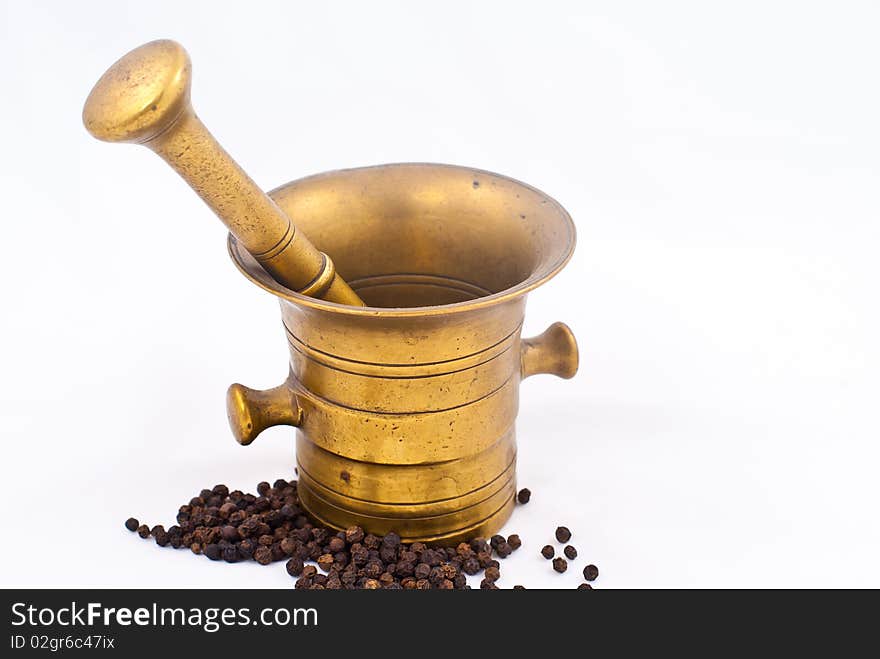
(563, 535)
(272, 526)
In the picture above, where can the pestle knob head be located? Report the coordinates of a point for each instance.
(141, 95)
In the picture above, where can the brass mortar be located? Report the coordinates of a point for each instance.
(405, 409)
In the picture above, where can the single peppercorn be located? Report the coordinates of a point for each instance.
(585, 586)
(560, 564)
(263, 555)
(570, 552)
(132, 524)
(470, 565)
(563, 534)
(325, 561)
(143, 531)
(514, 542)
(518, 587)
(524, 495)
(548, 552)
(354, 534)
(213, 551)
(246, 549)
(479, 545)
(591, 572)
(492, 573)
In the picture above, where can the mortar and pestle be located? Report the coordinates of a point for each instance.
(405, 353)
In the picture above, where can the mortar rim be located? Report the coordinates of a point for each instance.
(522, 288)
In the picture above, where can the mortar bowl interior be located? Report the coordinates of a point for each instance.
(413, 236)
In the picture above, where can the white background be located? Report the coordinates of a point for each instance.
(720, 161)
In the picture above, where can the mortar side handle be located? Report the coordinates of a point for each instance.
(251, 411)
(555, 351)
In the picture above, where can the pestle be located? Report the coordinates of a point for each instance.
(144, 98)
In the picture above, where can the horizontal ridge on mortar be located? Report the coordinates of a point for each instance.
(310, 352)
(508, 471)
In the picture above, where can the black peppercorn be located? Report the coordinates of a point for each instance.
(263, 555)
(479, 545)
(524, 495)
(503, 549)
(492, 573)
(374, 569)
(570, 552)
(585, 586)
(563, 534)
(143, 531)
(470, 565)
(560, 564)
(514, 542)
(213, 551)
(246, 549)
(591, 572)
(132, 524)
(548, 552)
(388, 553)
(354, 534)
(277, 552)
